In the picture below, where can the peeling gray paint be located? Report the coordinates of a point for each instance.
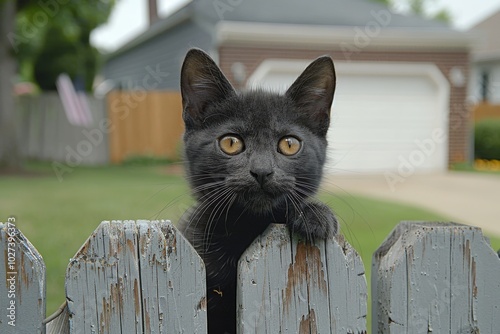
(435, 278)
(136, 277)
(22, 285)
(144, 277)
(286, 285)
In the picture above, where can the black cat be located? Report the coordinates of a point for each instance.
(253, 158)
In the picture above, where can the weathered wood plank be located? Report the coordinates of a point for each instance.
(286, 285)
(60, 324)
(435, 277)
(128, 278)
(347, 287)
(22, 290)
(174, 293)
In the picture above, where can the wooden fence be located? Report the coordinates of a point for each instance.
(486, 110)
(143, 277)
(127, 124)
(46, 134)
(144, 124)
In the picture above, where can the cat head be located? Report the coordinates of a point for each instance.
(257, 148)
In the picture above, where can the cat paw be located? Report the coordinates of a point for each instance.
(314, 222)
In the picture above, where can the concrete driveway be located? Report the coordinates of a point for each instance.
(467, 198)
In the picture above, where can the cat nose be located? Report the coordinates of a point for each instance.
(261, 175)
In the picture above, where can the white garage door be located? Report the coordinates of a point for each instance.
(386, 117)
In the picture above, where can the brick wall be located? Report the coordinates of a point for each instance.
(459, 121)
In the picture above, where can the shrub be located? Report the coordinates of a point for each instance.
(487, 139)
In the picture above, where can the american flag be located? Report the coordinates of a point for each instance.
(75, 103)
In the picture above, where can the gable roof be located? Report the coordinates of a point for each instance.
(158, 27)
(295, 13)
(315, 12)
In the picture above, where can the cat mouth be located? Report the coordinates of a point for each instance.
(261, 198)
(268, 191)
(262, 201)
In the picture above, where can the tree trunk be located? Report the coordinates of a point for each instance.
(9, 149)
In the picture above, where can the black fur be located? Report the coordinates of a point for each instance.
(238, 196)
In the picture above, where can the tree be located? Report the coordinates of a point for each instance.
(9, 150)
(59, 54)
(418, 7)
(385, 2)
(25, 27)
(71, 34)
(443, 15)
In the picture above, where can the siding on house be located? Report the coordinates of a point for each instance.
(488, 41)
(485, 73)
(485, 82)
(155, 64)
(459, 132)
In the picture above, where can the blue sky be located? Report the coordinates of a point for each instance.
(129, 18)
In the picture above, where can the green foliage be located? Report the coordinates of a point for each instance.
(444, 16)
(417, 7)
(53, 38)
(385, 2)
(59, 54)
(487, 139)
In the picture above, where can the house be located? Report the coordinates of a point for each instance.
(485, 70)
(400, 105)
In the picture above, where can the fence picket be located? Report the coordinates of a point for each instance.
(435, 277)
(22, 289)
(157, 114)
(286, 285)
(136, 278)
(48, 135)
(144, 277)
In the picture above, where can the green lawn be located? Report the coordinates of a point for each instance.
(57, 217)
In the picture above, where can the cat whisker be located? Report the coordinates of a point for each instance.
(298, 211)
(213, 215)
(228, 206)
(217, 197)
(344, 223)
(204, 204)
(205, 175)
(177, 198)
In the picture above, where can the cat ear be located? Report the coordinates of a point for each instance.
(313, 91)
(202, 83)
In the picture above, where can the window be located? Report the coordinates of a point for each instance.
(485, 86)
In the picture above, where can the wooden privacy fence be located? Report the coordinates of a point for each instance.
(145, 123)
(144, 277)
(46, 134)
(128, 124)
(485, 110)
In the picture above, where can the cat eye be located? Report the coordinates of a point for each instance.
(289, 145)
(231, 144)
